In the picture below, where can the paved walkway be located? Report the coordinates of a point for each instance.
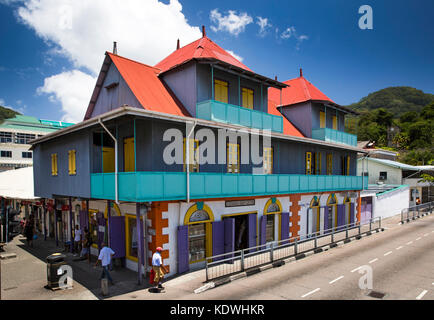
(25, 276)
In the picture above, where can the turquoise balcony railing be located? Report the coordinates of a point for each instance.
(335, 136)
(164, 186)
(231, 114)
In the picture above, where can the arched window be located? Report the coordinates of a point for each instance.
(198, 219)
(273, 209)
(313, 216)
(332, 212)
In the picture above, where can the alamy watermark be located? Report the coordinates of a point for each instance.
(366, 21)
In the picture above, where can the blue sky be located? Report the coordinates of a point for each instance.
(343, 61)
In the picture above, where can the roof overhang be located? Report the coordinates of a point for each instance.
(327, 103)
(126, 110)
(234, 70)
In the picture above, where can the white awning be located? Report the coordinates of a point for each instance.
(17, 184)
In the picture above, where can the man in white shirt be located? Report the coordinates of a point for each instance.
(77, 239)
(105, 256)
(157, 266)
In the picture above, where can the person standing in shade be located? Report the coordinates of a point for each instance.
(105, 256)
(29, 230)
(157, 266)
(77, 240)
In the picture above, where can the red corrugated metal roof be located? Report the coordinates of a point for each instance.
(203, 48)
(288, 127)
(149, 90)
(299, 90)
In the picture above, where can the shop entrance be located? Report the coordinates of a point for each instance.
(241, 237)
(244, 231)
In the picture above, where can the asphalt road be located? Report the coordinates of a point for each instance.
(401, 258)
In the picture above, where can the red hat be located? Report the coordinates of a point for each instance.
(159, 249)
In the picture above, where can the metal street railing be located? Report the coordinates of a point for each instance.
(242, 260)
(418, 211)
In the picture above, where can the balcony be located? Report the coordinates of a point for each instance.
(334, 136)
(165, 186)
(231, 114)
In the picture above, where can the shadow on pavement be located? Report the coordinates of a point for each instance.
(125, 280)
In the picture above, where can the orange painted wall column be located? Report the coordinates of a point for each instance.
(155, 215)
(359, 208)
(294, 229)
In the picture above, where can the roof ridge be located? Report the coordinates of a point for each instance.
(131, 60)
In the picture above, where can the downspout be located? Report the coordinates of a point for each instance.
(187, 156)
(116, 160)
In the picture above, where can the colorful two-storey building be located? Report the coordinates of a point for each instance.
(120, 173)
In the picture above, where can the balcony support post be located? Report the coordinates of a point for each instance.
(116, 160)
(212, 82)
(239, 91)
(188, 133)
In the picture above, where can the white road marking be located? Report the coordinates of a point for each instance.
(426, 234)
(410, 242)
(311, 292)
(356, 269)
(400, 247)
(387, 253)
(421, 294)
(372, 261)
(337, 279)
(418, 239)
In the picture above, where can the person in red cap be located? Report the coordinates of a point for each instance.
(157, 266)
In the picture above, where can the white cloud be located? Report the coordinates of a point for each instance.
(232, 22)
(288, 33)
(263, 25)
(239, 58)
(82, 30)
(292, 33)
(73, 90)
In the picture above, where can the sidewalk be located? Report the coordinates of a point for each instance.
(25, 276)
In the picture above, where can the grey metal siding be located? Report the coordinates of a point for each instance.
(113, 98)
(63, 184)
(182, 82)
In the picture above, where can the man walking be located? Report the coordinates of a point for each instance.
(157, 266)
(77, 240)
(105, 256)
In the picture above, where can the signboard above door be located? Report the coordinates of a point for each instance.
(240, 203)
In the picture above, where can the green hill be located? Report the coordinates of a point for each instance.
(396, 100)
(400, 118)
(6, 113)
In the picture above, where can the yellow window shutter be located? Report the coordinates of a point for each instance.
(221, 91)
(55, 165)
(348, 165)
(69, 162)
(318, 163)
(74, 163)
(308, 162)
(52, 164)
(335, 123)
(322, 120)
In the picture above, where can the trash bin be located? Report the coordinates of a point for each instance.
(54, 262)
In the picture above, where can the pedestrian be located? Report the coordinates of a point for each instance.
(23, 225)
(86, 244)
(158, 267)
(77, 240)
(29, 230)
(105, 256)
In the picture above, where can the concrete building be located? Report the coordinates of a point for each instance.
(15, 137)
(124, 172)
